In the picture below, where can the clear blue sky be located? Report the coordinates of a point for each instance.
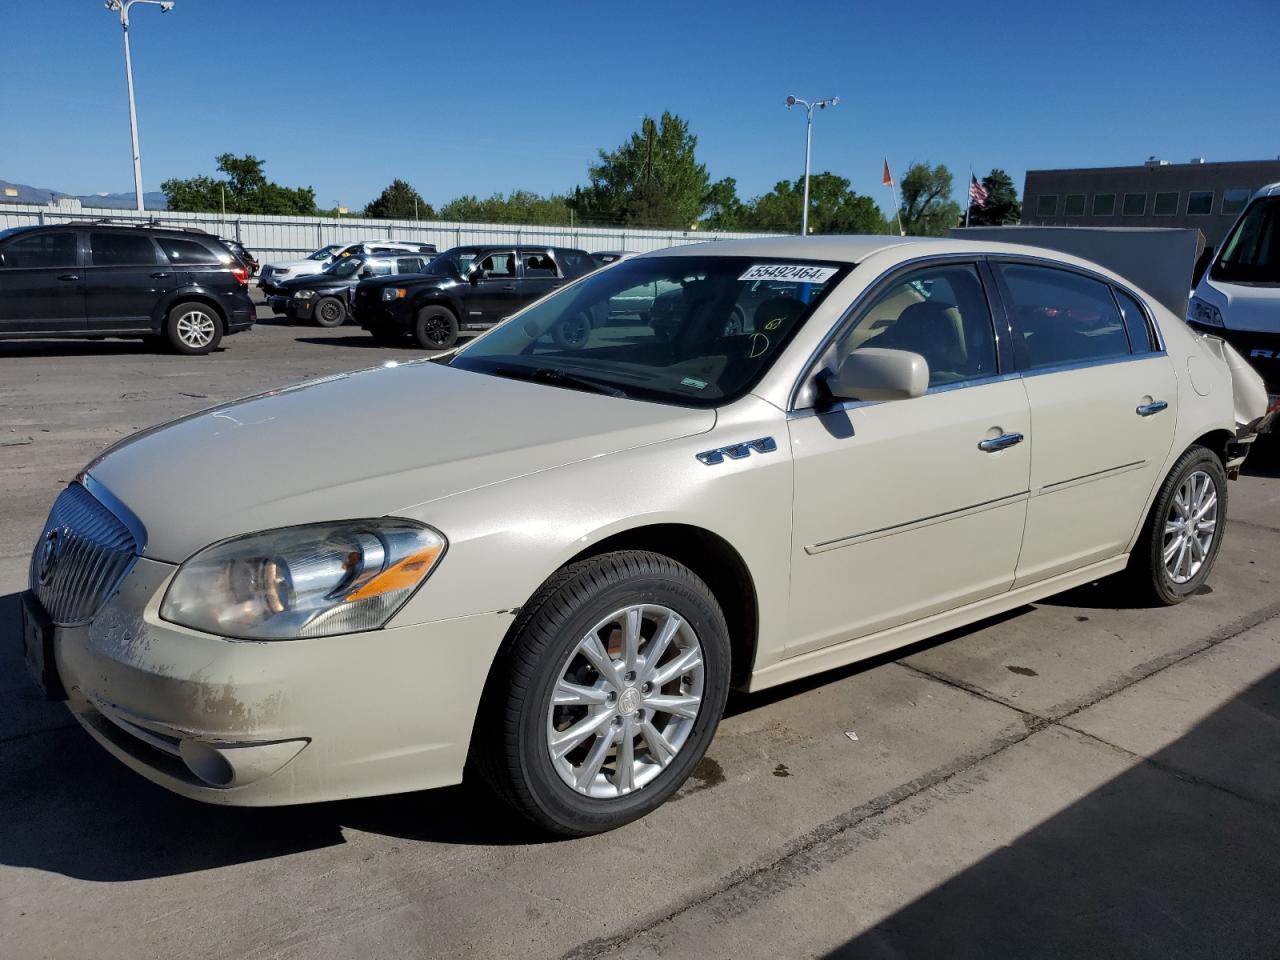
(346, 96)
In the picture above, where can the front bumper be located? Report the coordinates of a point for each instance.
(263, 724)
(374, 314)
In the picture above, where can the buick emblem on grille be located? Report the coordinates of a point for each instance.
(50, 551)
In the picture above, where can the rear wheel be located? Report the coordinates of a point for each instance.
(193, 328)
(572, 333)
(435, 328)
(1180, 542)
(330, 312)
(609, 696)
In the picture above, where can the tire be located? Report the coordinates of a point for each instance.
(193, 328)
(585, 602)
(329, 312)
(435, 328)
(736, 324)
(1197, 483)
(572, 333)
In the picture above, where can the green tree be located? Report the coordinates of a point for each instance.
(1002, 206)
(520, 206)
(722, 208)
(653, 179)
(399, 201)
(927, 207)
(245, 190)
(833, 208)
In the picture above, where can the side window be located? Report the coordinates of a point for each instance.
(376, 268)
(410, 265)
(186, 253)
(940, 313)
(1135, 323)
(42, 250)
(121, 250)
(499, 265)
(537, 265)
(1062, 317)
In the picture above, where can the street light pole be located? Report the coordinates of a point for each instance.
(808, 149)
(122, 7)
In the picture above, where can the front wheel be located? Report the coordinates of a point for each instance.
(609, 696)
(435, 328)
(330, 312)
(193, 328)
(1177, 548)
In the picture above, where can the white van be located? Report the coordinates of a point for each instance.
(271, 275)
(1238, 296)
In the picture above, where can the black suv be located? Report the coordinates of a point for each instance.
(466, 288)
(173, 286)
(324, 297)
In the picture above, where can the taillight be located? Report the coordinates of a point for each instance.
(241, 274)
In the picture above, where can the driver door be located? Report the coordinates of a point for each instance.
(904, 508)
(494, 294)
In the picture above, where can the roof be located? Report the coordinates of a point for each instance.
(844, 249)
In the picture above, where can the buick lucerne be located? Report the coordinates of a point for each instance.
(548, 562)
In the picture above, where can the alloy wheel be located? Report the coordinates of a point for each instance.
(625, 701)
(1190, 526)
(196, 329)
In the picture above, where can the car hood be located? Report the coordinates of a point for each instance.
(1247, 306)
(418, 281)
(316, 281)
(362, 444)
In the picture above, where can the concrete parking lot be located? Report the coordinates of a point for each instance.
(1076, 778)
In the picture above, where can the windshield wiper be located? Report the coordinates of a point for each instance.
(552, 376)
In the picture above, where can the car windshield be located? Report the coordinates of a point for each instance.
(1251, 254)
(691, 330)
(451, 263)
(346, 267)
(324, 253)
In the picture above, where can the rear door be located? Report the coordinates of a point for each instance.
(126, 275)
(42, 284)
(1103, 401)
(539, 275)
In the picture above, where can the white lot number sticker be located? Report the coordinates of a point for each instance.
(795, 272)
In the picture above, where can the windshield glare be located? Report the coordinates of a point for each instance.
(696, 331)
(324, 253)
(344, 268)
(1251, 254)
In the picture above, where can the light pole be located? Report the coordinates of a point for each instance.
(808, 148)
(122, 7)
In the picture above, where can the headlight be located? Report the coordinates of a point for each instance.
(1199, 311)
(393, 293)
(304, 294)
(310, 581)
(281, 272)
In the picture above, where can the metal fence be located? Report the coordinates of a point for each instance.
(285, 238)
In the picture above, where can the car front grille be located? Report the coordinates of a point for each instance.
(81, 557)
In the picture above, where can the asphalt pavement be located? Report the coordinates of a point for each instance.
(1078, 778)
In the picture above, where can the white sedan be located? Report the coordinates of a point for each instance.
(550, 564)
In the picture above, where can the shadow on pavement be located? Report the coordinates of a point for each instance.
(1158, 862)
(74, 348)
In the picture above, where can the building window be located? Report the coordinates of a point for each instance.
(1135, 204)
(1073, 206)
(1233, 201)
(1199, 203)
(1166, 204)
(1047, 205)
(1104, 204)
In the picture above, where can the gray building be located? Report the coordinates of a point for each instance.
(1158, 193)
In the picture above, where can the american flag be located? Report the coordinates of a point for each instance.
(977, 192)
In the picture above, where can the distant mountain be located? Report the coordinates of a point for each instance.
(112, 201)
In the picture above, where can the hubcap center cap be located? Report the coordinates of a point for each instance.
(628, 701)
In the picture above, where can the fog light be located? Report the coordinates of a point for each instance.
(227, 765)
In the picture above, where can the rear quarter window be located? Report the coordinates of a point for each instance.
(190, 253)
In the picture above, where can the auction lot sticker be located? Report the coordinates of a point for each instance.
(796, 272)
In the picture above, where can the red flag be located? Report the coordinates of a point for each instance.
(888, 177)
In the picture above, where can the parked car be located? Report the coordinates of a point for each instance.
(324, 298)
(1237, 295)
(173, 286)
(606, 257)
(466, 288)
(274, 274)
(552, 564)
(243, 255)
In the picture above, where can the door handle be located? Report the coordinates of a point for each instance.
(159, 275)
(1002, 442)
(1154, 407)
(508, 286)
(68, 276)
